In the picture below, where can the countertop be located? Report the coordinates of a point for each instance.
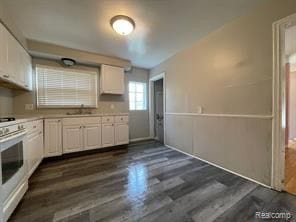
(28, 118)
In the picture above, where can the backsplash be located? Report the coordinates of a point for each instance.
(6, 102)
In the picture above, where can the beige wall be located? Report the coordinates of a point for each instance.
(105, 102)
(227, 72)
(6, 102)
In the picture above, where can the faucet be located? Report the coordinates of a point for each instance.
(81, 109)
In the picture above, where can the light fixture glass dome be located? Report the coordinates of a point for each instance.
(122, 24)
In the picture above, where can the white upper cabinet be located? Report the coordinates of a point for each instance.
(28, 72)
(3, 52)
(112, 80)
(15, 62)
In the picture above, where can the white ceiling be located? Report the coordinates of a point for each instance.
(163, 27)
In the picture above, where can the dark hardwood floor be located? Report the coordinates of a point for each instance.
(147, 182)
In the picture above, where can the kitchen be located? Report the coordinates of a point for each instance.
(41, 127)
(122, 110)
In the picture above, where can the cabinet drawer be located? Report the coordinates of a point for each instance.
(81, 121)
(121, 119)
(108, 119)
(34, 126)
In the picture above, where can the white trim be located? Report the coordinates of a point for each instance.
(278, 124)
(215, 165)
(141, 139)
(151, 103)
(223, 115)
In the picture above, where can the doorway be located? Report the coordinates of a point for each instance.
(157, 107)
(158, 110)
(284, 105)
(290, 134)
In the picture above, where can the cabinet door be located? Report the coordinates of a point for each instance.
(107, 135)
(12, 57)
(21, 65)
(53, 137)
(34, 151)
(112, 80)
(28, 72)
(3, 52)
(92, 136)
(72, 139)
(121, 133)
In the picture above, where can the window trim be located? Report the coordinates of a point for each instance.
(62, 68)
(145, 92)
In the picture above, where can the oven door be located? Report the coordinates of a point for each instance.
(12, 163)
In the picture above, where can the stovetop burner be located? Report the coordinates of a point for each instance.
(7, 119)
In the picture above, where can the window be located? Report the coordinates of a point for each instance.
(65, 88)
(137, 96)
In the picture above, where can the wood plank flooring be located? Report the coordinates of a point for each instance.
(146, 182)
(290, 170)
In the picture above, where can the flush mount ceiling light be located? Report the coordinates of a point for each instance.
(68, 61)
(122, 24)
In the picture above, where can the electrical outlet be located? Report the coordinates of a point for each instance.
(199, 110)
(29, 106)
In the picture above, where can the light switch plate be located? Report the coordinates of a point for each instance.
(199, 110)
(112, 106)
(29, 106)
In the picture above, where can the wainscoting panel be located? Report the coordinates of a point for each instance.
(240, 144)
(179, 132)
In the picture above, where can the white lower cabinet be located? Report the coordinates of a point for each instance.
(53, 137)
(72, 139)
(81, 134)
(121, 133)
(108, 134)
(92, 136)
(33, 146)
(72, 134)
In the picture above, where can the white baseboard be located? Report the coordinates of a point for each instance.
(213, 164)
(141, 139)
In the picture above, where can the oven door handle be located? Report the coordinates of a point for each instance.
(13, 136)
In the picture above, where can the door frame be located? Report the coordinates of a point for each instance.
(151, 104)
(279, 102)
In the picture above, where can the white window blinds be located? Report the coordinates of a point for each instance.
(65, 88)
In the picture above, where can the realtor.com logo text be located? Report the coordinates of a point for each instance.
(273, 215)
